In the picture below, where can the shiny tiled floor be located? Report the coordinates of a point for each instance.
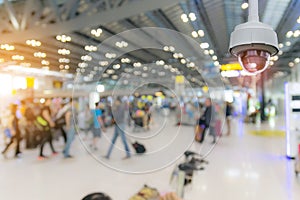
(241, 166)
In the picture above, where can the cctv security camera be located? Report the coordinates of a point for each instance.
(253, 42)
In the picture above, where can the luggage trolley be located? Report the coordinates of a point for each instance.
(184, 171)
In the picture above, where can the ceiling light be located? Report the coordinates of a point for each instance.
(39, 54)
(191, 64)
(90, 48)
(204, 45)
(271, 63)
(171, 48)
(211, 52)
(183, 61)
(114, 77)
(63, 51)
(280, 52)
(216, 63)
(184, 18)
(280, 45)
(145, 68)
(288, 43)
(110, 55)
(297, 60)
(244, 5)
(96, 32)
(82, 65)
(63, 38)
(166, 48)
(125, 60)
(137, 64)
(194, 34)
(110, 71)
(175, 55)
(34, 43)
(82, 70)
(215, 58)
(289, 34)
(232, 73)
(86, 58)
(45, 62)
(192, 16)
(291, 64)
(296, 33)
(275, 58)
(17, 57)
(117, 66)
(64, 60)
(67, 67)
(206, 52)
(103, 63)
(201, 33)
(298, 20)
(122, 44)
(7, 47)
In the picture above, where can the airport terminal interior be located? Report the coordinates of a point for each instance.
(149, 99)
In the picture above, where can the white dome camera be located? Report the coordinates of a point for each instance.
(253, 43)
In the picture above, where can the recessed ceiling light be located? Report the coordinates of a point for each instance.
(291, 64)
(245, 5)
(194, 34)
(17, 57)
(204, 45)
(192, 16)
(7, 47)
(280, 45)
(201, 33)
(289, 34)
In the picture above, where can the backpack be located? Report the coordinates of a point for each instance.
(139, 148)
(41, 124)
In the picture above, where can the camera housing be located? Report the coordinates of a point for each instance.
(253, 43)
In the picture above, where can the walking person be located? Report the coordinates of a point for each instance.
(204, 120)
(15, 132)
(228, 117)
(119, 117)
(98, 125)
(70, 129)
(46, 120)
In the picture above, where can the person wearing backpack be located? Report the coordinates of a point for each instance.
(47, 122)
(29, 128)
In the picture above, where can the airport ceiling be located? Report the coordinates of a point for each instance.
(38, 31)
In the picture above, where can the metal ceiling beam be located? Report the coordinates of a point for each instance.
(26, 13)
(12, 14)
(83, 21)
